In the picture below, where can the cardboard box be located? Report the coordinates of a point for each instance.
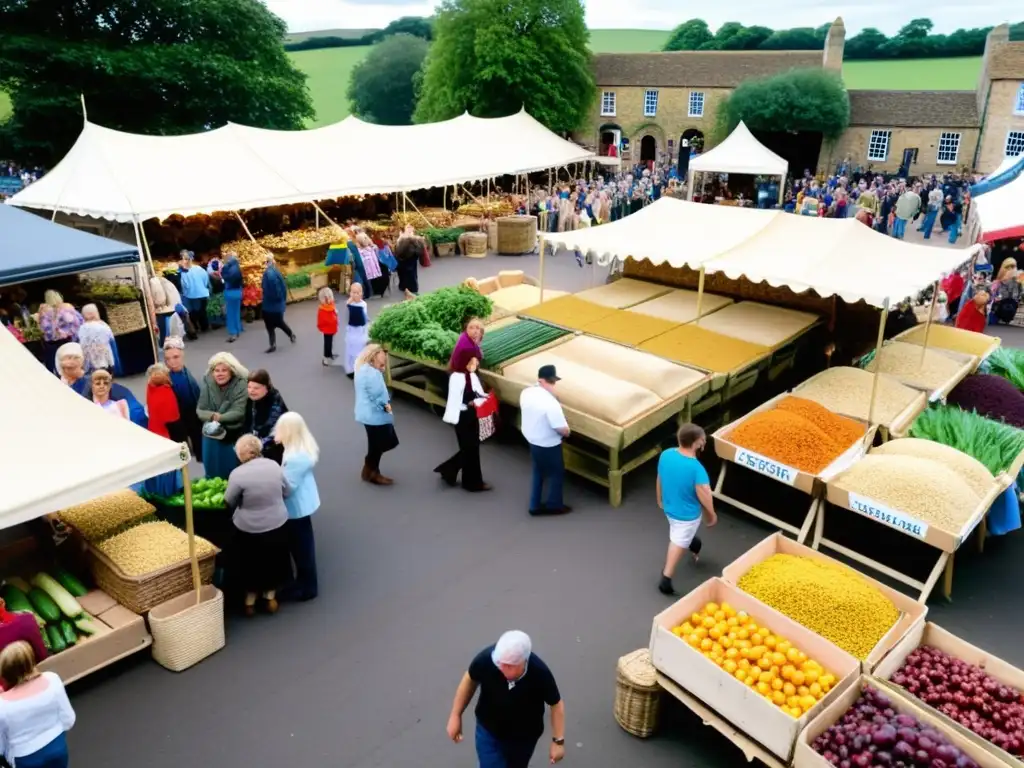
(806, 757)
(912, 613)
(936, 637)
(96, 602)
(745, 708)
(121, 634)
(763, 465)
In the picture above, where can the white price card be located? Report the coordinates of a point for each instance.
(765, 466)
(877, 511)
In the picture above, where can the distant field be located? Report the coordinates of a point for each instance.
(328, 70)
(913, 74)
(5, 106)
(627, 40)
(345, 34)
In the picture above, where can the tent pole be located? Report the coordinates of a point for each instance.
(407, 200)
(147, 299)
(145, 245)
(782, 190)
(543, 247)
(244, 226)
(191, 531)
(488, 195)
(444, 197)
(878, 361)
(317, 214)
(549, 182)
(928, 322)
(700, 294)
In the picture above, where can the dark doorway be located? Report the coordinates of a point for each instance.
(611, 135)
(695, 138)
(909, 158)
(648, 149)
(800, 150)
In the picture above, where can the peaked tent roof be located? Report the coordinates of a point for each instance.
(1008, 170)
(740, 153)
(32, 248)
(1001, 211)
(833, 257)
(42, 412)
(113, 175)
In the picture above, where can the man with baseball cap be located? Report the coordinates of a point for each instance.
(544, 426)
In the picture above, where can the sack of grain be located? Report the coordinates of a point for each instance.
(921, 488)
(623, 293)
(631, 328)
(972, 471)
(681, 305)
(692, 345)
(758, 323)
(847, 391)
(568, 312)
(663, 378)
(516, 298)
(587, 390)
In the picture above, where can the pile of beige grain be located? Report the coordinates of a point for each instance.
(847, 391)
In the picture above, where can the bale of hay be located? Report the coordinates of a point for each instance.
(681, 305)
(758, 323)
(692, 345)
(972, 471)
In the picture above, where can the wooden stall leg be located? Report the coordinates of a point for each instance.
(819, 527)
(947, 578)
(943, 564)
(721, 478)
(982, 534)
(614, 478)
(806, 527)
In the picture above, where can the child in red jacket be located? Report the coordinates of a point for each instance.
(327, 323)
(973, 315)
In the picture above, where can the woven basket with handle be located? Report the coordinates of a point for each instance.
(186, 632)
(637, 694)
(125, 318)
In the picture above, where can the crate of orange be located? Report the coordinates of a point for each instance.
(753, 667)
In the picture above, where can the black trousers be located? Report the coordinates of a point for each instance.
(467, 458)
(408, 276)
(379, 440)
(302, 548)
(328, 345)
(274, 320)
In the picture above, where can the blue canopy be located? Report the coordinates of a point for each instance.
(32, 248)
(1000, 178)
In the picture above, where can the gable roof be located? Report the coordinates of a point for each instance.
(914, 109)
(709, 69)
(1007, 61)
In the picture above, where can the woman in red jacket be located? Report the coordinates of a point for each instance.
(973, 315)
(164, 420)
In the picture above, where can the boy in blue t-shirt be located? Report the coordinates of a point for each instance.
(684, 493)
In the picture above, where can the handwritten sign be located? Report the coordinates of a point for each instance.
(901, 522)
(765, 466)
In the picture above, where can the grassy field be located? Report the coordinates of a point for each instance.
(344, 34)
(627, 40)
(328, 70)
(914, 74)
(5, 106)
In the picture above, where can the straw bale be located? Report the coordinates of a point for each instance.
(693, 345)
(681, 306)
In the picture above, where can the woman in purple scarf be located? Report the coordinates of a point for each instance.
(468, 341)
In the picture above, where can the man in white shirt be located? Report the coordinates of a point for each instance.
(544, 426)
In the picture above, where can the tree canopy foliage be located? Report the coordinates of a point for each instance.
(914, 41)
(812, 100)
(145, 66)
(494, 57)
(383, 85)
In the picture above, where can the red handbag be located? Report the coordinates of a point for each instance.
(425, 257)
(487, 415)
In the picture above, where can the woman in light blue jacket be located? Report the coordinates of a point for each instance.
(373, 411)
(300, 456)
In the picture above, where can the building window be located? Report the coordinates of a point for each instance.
(650, 103)
(696, 104)
(608, 104)
(878, 145)
(1014, 143)
(1018, 108)
(949, 148)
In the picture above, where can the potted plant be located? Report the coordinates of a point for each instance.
(443, 239)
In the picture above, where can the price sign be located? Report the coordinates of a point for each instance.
(765, 466)
(901, 522)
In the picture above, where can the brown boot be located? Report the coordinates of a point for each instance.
(378, 479)
(367, 472)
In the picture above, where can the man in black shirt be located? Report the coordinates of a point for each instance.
(514, 684)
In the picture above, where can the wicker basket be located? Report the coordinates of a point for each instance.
(517, 235)
(637, 694)
(185, 633)
(473, 244)
(125, 318)
(142, 593)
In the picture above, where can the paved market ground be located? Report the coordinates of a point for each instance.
(416, 578)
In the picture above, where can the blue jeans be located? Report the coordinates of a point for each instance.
(548, 465)
(929, 223)
(954, 229)
(899, 228)
(495, 753)
(233, 310)
(53, 755)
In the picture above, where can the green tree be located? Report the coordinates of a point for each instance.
(494, 57)
(797, 39)
(866, 44)
(382, 87)
(418, 26)
(146, 66)
(812, 100)
(689, 36)
(721, 39)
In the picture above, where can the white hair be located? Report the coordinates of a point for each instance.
(226, 358)
(293, 434)
(90, 312)
(71, 349)
(513, 647)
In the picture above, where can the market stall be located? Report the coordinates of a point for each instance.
(998, 214)
(740, 153)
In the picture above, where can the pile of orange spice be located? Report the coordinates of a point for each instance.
(798, 433)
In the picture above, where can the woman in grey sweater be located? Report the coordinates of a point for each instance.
(255, 497)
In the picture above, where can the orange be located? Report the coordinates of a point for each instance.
(764, 663)
(756, 638)
(764, 689)
(729, 666)
(777, 684)
(708, 622)
(815, 690)
(740, 675)
(769, 641)
(710, 609)
(802, 690)
(778, 698)
(779, 659)
(705, 644)
(731, 653)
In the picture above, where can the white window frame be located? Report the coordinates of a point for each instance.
(697, 100)
(1018, 138)
(952, 139)
(651, 102)
(608, 103)
(1018, 107)
(879, 137)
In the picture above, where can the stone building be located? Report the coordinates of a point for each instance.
(655, 100)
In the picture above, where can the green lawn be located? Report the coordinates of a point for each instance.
(328, 70)
(5, 106)
(627, 40)
(913, 74)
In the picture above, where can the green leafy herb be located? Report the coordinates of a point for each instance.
(429, 326)
(993, 443)
(1007, 363)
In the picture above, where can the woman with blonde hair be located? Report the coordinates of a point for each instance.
(373, 411)
(59, 323)
(102, 382)
(34, 711)
(371, 265)
(97, 341)
(255, 498)
(1006, 292)
(223, 395)
(301, 454)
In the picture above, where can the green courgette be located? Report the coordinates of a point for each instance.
(15, 599)
(46, 638)
(61, 598)
(86, 625)
(70, 583)
(43, 605)
(57, 643)
(68, 631)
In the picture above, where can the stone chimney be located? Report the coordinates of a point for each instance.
(999, 36)
(835, 41)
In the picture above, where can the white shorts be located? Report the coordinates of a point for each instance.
(681, 532)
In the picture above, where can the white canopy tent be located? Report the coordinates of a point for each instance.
(833, 257)
(128, 177)
(41, 415)
(1000, 213)
(739, 153)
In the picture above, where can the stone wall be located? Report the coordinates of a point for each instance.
(854, 144)
(1000, 119)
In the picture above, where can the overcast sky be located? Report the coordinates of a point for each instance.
(948, 15)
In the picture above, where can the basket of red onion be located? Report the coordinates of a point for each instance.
(867, 728)
(973, 692)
